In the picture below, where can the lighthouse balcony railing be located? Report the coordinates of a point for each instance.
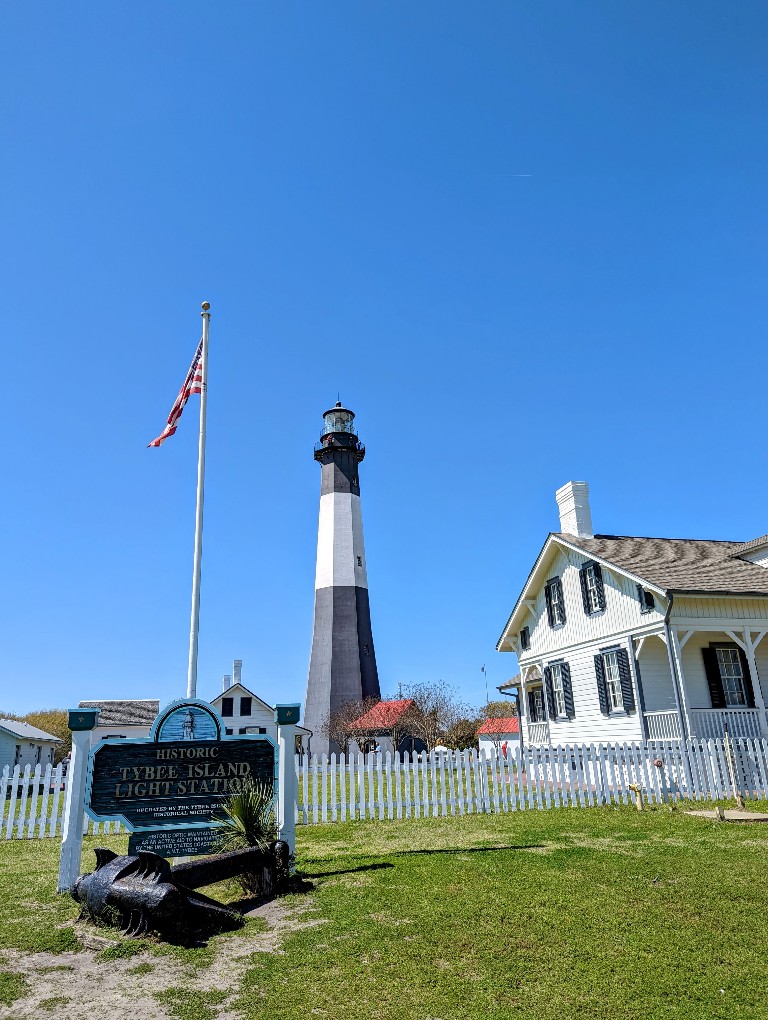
(319, 447)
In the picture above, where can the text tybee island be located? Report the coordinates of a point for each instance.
(185, 778)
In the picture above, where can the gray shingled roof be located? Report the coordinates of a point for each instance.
(124, 713)
(27, 732)
(680, 564)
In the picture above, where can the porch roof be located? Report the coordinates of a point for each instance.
(690, 565)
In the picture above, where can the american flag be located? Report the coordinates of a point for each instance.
(192, 384)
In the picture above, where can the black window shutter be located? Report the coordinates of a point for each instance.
(548, 597)
(714, 680)
(551, 707)
(559, 584)
(584, 589)
(599, 583)
(627, 693)
(565, 672)
(531, 708)
(602, 691)
(749, 689)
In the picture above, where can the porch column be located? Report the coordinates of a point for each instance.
(749, 651)
(676, 660)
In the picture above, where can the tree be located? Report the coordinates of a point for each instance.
(340, 725)
(435, 710)
(462, 735)
(499, 709)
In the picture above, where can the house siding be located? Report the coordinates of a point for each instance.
(29, 749)
(620, 616)
(589, 724)
(655, 675)
(689, 608)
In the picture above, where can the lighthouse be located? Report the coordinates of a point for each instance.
(342, 665)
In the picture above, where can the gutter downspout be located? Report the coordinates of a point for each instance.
(673, 669)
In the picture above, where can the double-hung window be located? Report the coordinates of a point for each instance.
(536, 705)
(728, 676)
(612, 680)
(553, 592)
(557, 688)
(592, 588)
(731, 676)
(615, 690)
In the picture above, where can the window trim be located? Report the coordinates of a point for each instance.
(524, 637)
(555, 584)
(558, 693)
(613, 685)
(730, 646)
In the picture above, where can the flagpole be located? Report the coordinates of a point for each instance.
(194, 626)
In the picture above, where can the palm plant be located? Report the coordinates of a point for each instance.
(247, 818)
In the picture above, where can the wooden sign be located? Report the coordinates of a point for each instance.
(178, 777)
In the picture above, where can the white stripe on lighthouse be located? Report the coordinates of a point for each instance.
(340, 551)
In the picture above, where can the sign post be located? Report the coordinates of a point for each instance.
(81, 721)
(287, 717)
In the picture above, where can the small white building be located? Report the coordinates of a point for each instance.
(630, 638)
(22, 744)
(244, 712)
(499, 735)
(122, 720)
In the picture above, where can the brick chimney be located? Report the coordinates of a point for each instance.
(575, 514)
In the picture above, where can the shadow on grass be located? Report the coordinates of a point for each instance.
(417, 853)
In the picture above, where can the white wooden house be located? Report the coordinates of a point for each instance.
(625, 638)
(122, 720)
(23, 744)
(244, 712)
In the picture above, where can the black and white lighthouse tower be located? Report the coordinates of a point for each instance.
(342, 666)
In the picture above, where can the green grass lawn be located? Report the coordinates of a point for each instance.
(599, 913)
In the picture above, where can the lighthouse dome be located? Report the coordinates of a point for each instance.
(338, 419)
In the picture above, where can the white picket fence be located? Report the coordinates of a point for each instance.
(32, 804)
(338, 789)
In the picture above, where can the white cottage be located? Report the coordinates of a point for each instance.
(23, 744)
(625, 639)
(122, 720)
(244, 712)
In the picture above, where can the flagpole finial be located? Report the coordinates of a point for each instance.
(206, 305)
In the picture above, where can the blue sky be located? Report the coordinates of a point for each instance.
(341, 182)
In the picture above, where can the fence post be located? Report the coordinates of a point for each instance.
(81, 721)
(286, 717)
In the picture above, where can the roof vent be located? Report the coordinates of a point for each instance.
(575, 514)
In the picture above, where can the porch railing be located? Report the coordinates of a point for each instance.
(538, 733)
(709, 723)
(663, 725)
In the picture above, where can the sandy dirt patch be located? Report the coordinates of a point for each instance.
(69, 986)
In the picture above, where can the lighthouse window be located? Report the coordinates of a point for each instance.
(366, 650)
(359, 561)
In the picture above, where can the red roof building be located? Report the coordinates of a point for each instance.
(506, 725)
(384, 715)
